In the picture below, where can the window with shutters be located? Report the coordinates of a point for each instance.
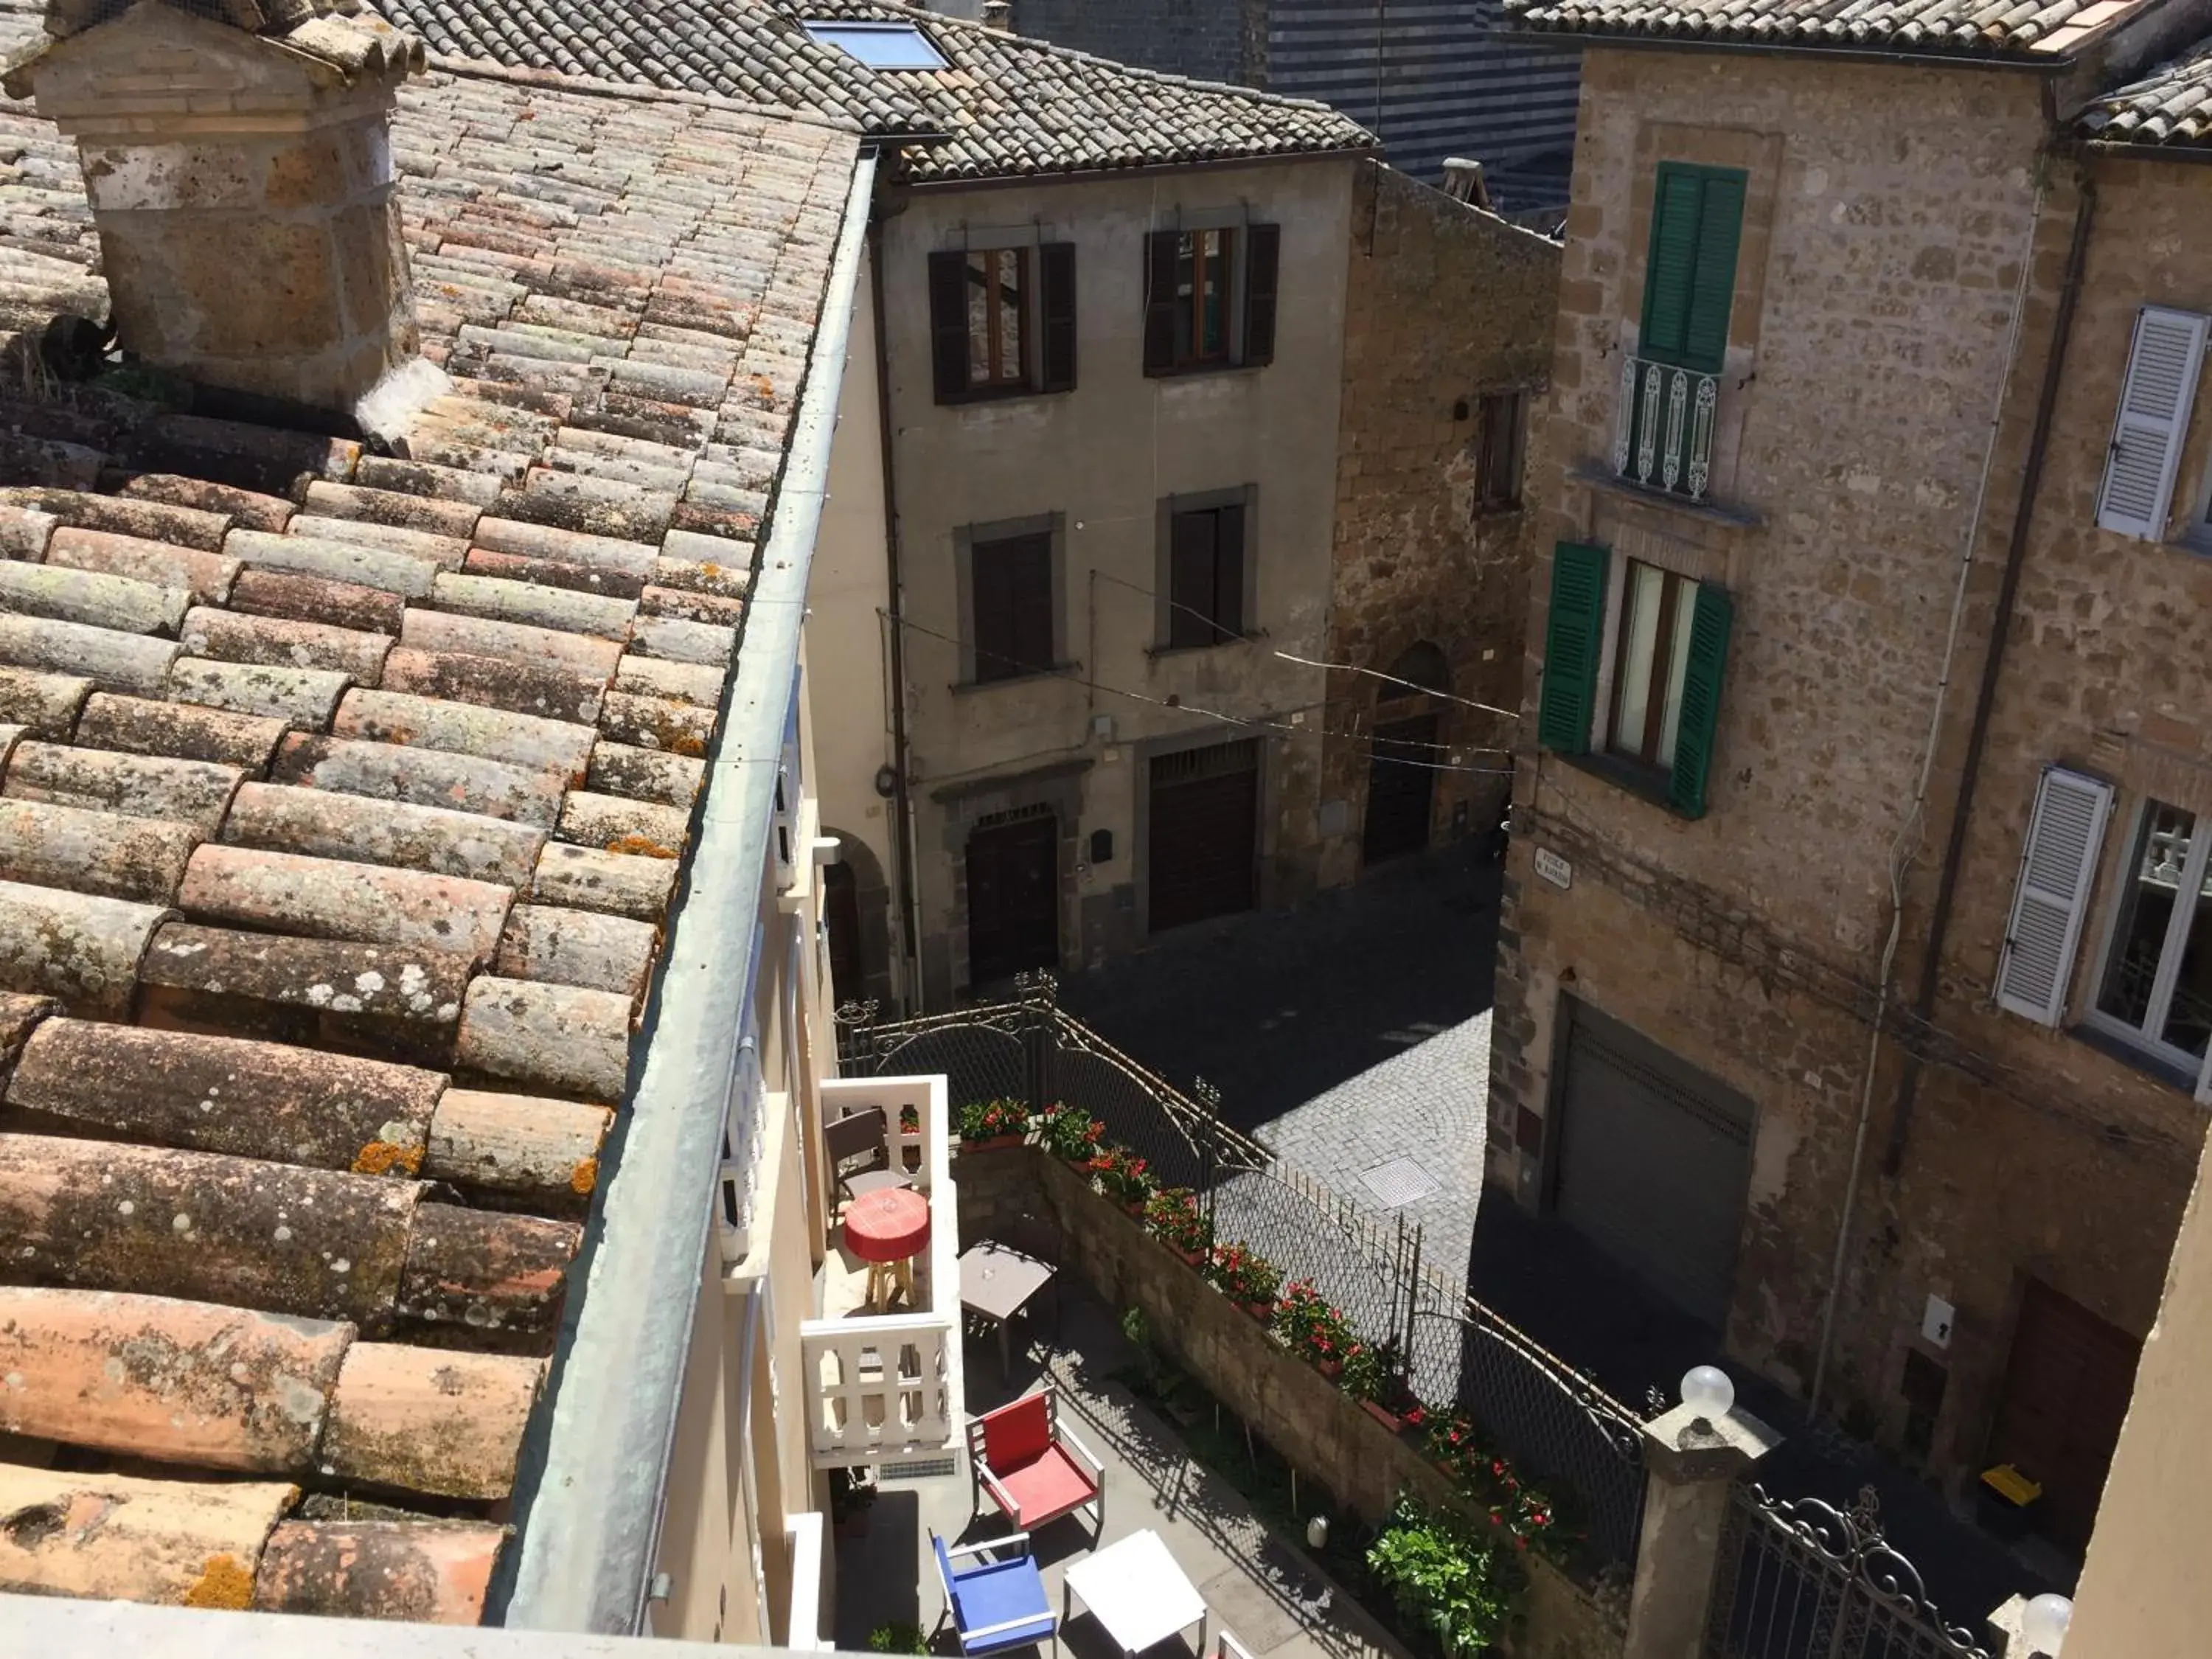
(2058, 863)
(1206, 576)
(1633, 669)
(1670, 386)
(2165, 359)
(1651, 662)
(1010, 581)
(1500, 421)
(1002, 321)
(2155, 990)
(1207, 566)
(1210, 298)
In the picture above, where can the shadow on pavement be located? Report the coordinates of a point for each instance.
(1276, 1008)
(1559, 1288)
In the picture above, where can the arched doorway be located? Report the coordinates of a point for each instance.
(1403, 753)
(856, 916)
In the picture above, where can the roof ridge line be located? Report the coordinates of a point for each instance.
(637, 92)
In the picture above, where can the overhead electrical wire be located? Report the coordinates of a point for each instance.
(1248, 722)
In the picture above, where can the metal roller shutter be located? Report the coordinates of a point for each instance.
(1654, 1163)
(1204, 833)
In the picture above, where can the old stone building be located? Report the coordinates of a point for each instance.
(1845, 996)
(1447, 332)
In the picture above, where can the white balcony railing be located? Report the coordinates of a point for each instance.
(887, 1387)
(1665, 437)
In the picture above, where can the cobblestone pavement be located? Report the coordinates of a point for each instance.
(1350, 1035)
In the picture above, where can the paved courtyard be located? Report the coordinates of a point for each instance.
(1275, 1603)
(1350, 1035)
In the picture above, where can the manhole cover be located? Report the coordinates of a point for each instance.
(1400, 1181)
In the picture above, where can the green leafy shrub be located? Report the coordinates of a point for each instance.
(898, 1638)
(1444, 1579)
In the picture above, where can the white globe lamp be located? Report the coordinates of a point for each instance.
(2044, 1626)
(1707, 1391)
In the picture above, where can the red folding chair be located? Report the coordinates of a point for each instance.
(1032, 1464)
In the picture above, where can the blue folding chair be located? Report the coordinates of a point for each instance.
(996, 1604)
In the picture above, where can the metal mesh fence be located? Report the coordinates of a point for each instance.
(1556, 1424)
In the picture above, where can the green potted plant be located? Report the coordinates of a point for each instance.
(1124, 1177)
(850, 1499)
(1443, 1578)
(1246, 1277)
(1070, 1134)
(1177, 1221)
(985, 1124)
(897, 1638)
(1375, 1376)
(1314, 1330)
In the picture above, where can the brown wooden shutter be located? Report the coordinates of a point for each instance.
(1056, 276)
(1160, 247)
(1264, 260)
(948, 324)
(1229, 617)
(1190, 578)
(1010, 586)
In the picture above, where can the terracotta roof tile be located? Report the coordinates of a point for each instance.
(2171, 105)
(426, 777)
(429, 1573)
(1960, 27)
(585, 878)
(219, 1094)
(94, 852)
(139, 726)
(79, 948)
(340, 899)
(429, 1419)
(178, 1381)
(111, 1537)
(206, 577)
(565, 1038)
(288, 732)
(521, 1144)
(194, 792)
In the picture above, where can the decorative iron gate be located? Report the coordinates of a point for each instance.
(1803, 1579)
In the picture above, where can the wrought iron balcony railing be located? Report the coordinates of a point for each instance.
(1665, 438)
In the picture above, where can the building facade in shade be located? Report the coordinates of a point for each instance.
(1431, 79)
(1857, 889)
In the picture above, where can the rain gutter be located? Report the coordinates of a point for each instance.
(590, 1501)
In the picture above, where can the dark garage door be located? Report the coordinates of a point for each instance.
(1013, 897)
(1204, 845)
(2066, 1390)
(1654, 1163)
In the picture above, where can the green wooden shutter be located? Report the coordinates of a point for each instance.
(1710, 621)
(1572, 638)
(1713, 282)
(1689, 277)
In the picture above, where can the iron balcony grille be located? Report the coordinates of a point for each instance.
(1664, 440)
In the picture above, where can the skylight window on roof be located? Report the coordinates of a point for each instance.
(879, 45)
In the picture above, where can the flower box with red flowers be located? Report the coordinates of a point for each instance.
(1177, 1221)
(1245, 1277)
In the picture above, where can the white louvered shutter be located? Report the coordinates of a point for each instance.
(2064, 835)
(2153, 417)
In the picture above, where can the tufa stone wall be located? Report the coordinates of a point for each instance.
(1868, 346)
(1304, 1417)
(1444, 303)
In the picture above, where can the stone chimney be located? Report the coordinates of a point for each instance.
(999, 14)
(1463, 181)
(237, 154)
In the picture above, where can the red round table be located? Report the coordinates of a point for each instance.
(887, 1229)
